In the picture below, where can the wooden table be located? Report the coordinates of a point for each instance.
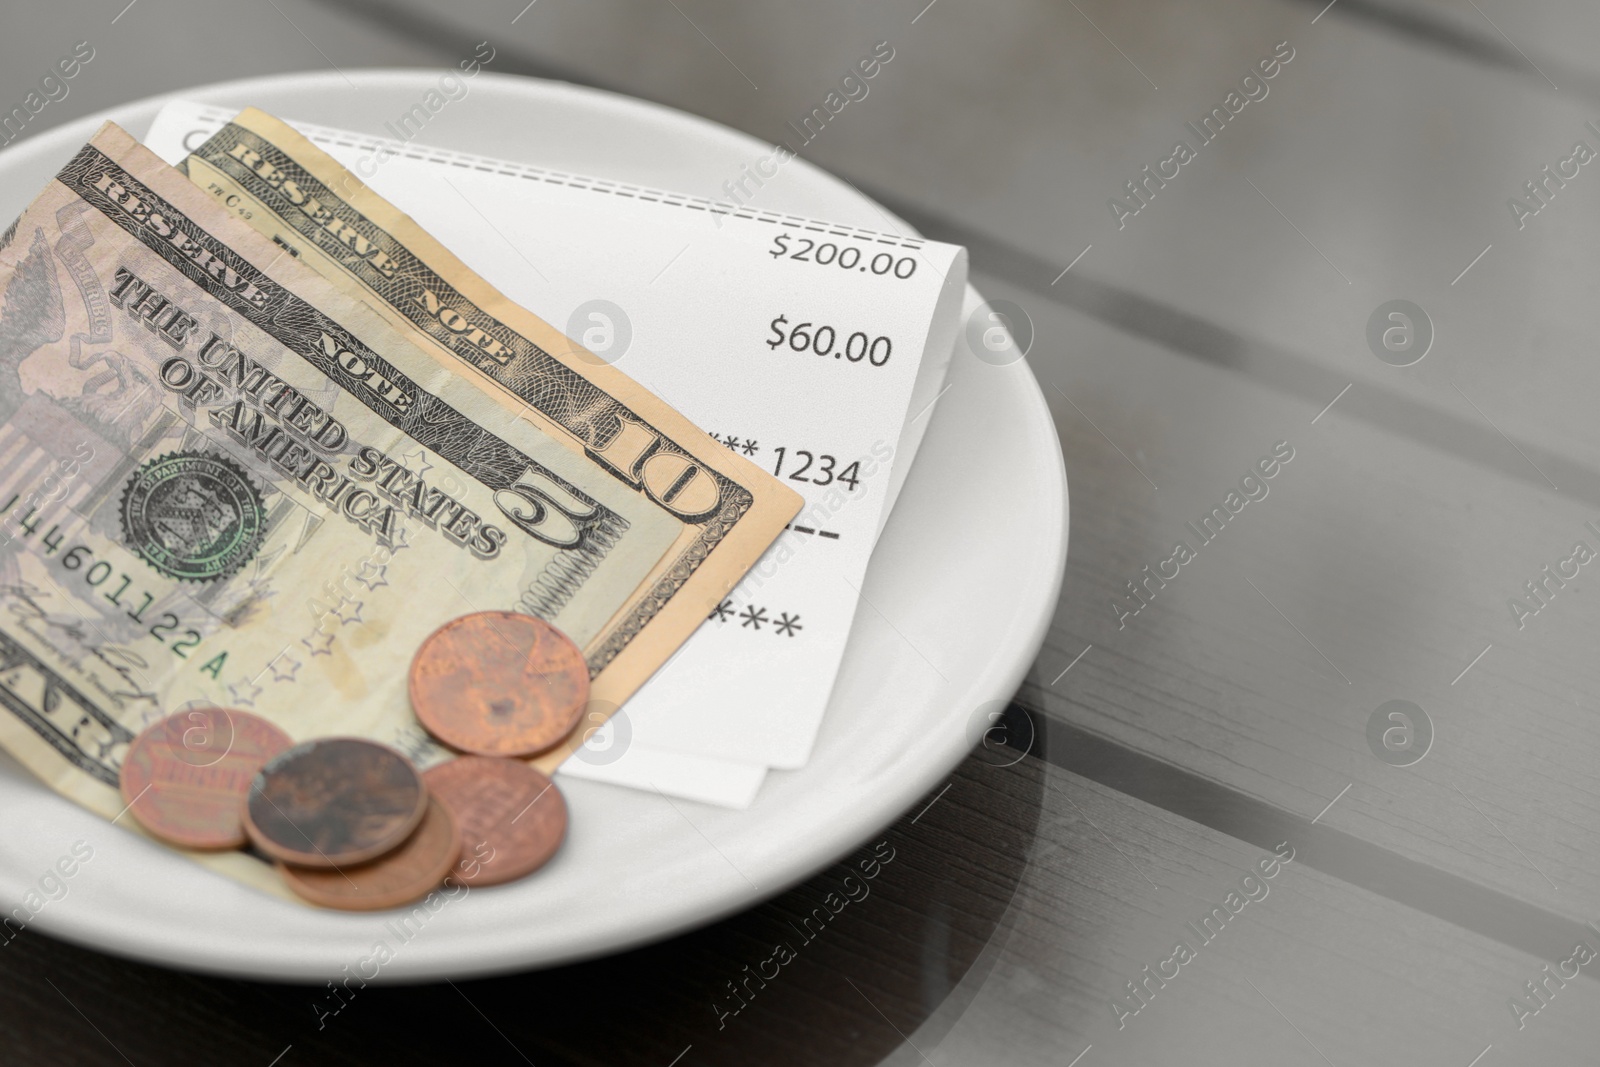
(1157, 760)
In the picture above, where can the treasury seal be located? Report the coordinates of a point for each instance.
(193, 515)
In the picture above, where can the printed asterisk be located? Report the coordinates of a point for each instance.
(732, 443)
(244, 692)
(754, 616)
(372, 574)
(417, 462)
(319, 641)
(787, 625)
(284, 667)
(717, 438)
(347, 610)
(721, 611)
(750, 447)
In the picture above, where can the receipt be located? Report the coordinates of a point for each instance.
(811, 348)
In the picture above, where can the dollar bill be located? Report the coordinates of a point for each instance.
(224, 481)
(309, 204)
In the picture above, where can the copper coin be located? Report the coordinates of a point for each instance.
(499, 683)
(334, 802)
(512, 818)
(404, 875)
(184, 778)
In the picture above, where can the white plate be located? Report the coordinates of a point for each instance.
(959, 593)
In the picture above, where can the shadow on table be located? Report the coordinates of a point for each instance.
(835, 971)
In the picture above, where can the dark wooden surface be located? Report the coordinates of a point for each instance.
(1228, 716)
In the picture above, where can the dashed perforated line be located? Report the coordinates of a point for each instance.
(322, 135)
(603, 185)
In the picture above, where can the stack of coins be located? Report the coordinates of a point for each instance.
(351, 823)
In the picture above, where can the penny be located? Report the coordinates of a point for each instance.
(499, 683)
(404, 875)
(334, 802)
(185, 778)
(512, 818)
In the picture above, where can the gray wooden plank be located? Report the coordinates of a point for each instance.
(1311, 972)
(1545, 39)
(1374, 169)
(1391, 564)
